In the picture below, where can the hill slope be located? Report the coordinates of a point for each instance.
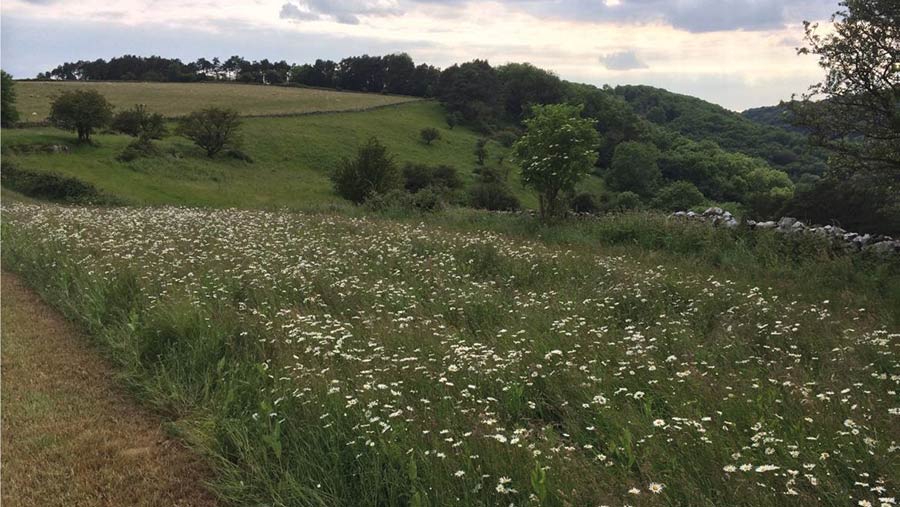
(293, 157)
(178, 99)
(700, 120)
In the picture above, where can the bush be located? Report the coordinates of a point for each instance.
(420, 176)
(481, 150)
(51, 187)
(454, 119)
(212, 129)
(429, 135)
(428, 199)
(634, 168)
(372, 172)
(584, 202)
(137, 122)
(8, 113)
(506, 137)
(139, 148)
(621, 201)
(494, 196)
(82, 111)
(678, 196)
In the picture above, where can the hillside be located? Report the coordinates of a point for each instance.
(773, 116)
(293, 157)
(178, 99)
(699, 120)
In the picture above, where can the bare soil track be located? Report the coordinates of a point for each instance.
(71, 436)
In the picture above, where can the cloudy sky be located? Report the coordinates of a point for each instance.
(737, 53)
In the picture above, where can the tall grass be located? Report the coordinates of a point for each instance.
(327, 360)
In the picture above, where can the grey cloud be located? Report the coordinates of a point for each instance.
(622, 60)
(291, 11)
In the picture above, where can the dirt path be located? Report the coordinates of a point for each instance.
(71, 436)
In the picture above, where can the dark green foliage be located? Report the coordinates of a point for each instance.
(429, 134)
(8, 113)
(51, 187)
(584, 202)
(372, 172)
(138, 122)
(139, 148)
(417, 177)
(427, 199)
(525, 85)
(453, 119)
(473, 90)
(481, 151)
(784, 149)
(212, 129)
(634, 168)
(506, 137)
(491, 192)
(779, 116)
(82, 111)
(622, 201)
(857, 204)
(678, 196)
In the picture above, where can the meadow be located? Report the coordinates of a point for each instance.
(177, 99)
(292, 158)
(321, 359)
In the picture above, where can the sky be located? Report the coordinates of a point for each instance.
(736, 53)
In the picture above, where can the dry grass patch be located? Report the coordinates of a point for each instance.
(70, 436)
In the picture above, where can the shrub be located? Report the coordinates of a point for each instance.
(429, 135)
(82, 111)
(371, 172)
(212, 129)
(51, 186)
(584, 202)
(493, 195)
(454, 119)
(137, 122)
(678, 196)
(481, 150)
(420, 176)
(622, 201)
(140, 147)
(506, 137)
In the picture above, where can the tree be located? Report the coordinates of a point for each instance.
(8, 113)
(212, 129)
(137, 122)
(372, 172)
(678, 196)
(525, 85)
(859, 116)
(82, 111)
(634, 168)
(429, 135)
(557, 150)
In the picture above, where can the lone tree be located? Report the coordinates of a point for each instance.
(137, 122)
(429, 135)
(212, 129)
(371, 172)
(858, 117)
(481, 150)
(8, 113)
(83, 111)
(556, 151)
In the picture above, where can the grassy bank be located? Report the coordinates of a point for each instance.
(292, 159)
(179, 99)
(331, 360)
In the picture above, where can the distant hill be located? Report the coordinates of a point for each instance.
(783, 148)
(773, 116)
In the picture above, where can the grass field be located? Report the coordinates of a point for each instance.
(293, 157)
(333, 361)
(178, 99)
